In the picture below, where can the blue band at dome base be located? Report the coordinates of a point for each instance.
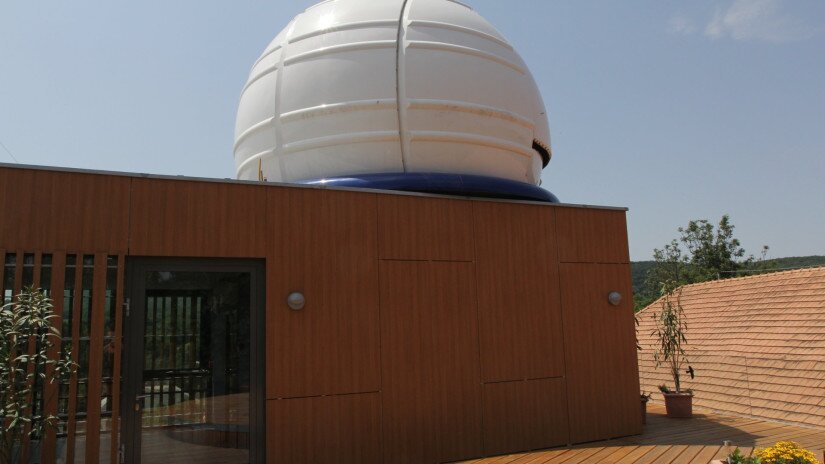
(443, 184)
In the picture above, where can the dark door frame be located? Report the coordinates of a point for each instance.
(133, 338)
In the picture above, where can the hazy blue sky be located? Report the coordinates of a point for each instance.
(675, 109)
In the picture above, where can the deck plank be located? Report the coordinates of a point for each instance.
(705, 455)
(688, 454)
(675, 441)
(619, 453)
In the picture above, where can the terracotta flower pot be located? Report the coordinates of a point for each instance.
(679, 405)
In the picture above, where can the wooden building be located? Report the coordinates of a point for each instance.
(434, 329)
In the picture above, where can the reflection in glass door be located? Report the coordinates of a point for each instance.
(193, 391)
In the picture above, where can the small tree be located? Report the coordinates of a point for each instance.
(714, 252)
(28, 333)
(670, 332)
(702, 252)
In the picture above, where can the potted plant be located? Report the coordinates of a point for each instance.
(670, 335)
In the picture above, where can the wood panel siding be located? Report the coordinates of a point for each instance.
(45, 210)
(431, 393)
(434, 330)
(518, 292)
(600, 351)
(588, 235)
(197, 219)
(325, 247)
(524, 415)
(417, 228)
(344, 429)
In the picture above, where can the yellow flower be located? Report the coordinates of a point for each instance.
(787, 451)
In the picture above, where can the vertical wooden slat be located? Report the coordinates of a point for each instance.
(38, 256)
(76, 309)
(2, 272)
(17, 286)
(117, 347)
(173, 351)
(2, 275)
(166, 303)
(51, 389)
(18, 274)
(95, 379)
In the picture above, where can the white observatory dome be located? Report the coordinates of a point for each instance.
(363, 86)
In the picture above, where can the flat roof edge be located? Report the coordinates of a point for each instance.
(288, 185)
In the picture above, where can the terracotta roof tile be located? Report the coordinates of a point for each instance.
(757, 344)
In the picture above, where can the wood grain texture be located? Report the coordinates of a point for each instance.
(35, 282)
(2, 270)
(672, 441)
(412, 304)
(18, 274)
(94, 385)
(45, 210)
(117, 357)
(419, 228)
(50, 389)
(71, 420)
(341, 429)
(431, 392)
(592, 235)
(600, 349)
(194, 219)
(323, 245)
(518, 292)
(524, 415)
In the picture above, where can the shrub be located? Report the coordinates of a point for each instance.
(27, 336)
(786, 452)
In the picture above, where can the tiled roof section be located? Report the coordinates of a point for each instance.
(757, 345)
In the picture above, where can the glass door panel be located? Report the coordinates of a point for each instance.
(192, 397)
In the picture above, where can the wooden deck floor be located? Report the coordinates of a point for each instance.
(674, 441)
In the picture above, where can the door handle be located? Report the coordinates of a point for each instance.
(139, 402)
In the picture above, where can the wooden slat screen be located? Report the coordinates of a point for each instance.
(87, 294)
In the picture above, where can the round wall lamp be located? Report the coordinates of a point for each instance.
(296, 301)
(615, 298)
